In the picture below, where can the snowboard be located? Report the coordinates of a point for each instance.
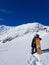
(38, 46)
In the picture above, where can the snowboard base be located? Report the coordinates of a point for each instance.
(38, 47)
(39, 51)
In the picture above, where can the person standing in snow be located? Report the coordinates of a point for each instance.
(33, 44)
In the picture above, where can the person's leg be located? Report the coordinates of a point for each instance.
(32, 50)
(35, 49)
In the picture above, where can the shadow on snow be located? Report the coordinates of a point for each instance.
(45, 50)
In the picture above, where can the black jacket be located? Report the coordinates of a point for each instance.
(34, 42)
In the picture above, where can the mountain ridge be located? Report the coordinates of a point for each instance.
(9, 33)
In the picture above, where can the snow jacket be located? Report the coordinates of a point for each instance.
(34, 42)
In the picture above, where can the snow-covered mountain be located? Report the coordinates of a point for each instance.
(15, 44)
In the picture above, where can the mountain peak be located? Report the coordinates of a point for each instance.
(25, 27)
(3, 29)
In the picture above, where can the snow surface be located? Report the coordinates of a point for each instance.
(15, 44)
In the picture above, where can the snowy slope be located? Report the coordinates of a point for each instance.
(15, 44)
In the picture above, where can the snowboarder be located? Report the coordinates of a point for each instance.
(33, 44)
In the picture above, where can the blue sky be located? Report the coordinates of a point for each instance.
(17, 12)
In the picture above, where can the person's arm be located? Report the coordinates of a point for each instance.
(33, 42)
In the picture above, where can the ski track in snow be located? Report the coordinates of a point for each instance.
(35, 60)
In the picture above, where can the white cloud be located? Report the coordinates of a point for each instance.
(5, 11)
(1, 19)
